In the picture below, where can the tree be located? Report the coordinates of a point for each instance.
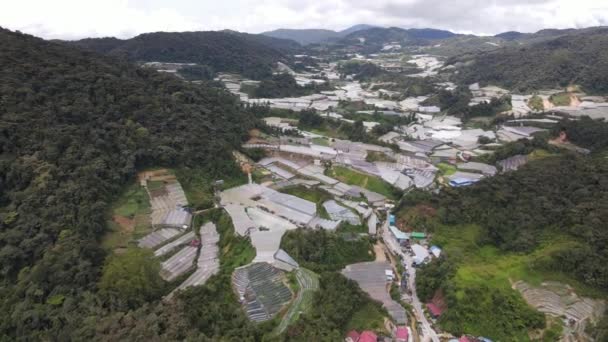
(131, 278)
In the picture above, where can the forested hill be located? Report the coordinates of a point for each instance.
(226, 51)
(579, 57)
(74, 127)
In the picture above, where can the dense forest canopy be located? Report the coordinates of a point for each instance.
(253, 56)
(579, 58)
(74, 128)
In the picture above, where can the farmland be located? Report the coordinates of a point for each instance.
(371, 183)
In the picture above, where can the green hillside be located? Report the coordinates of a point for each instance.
(577, 58)
(253, 56)
(74, 128)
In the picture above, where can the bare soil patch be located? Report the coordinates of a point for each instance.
(126, 224)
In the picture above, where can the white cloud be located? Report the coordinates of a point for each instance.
(70, 19)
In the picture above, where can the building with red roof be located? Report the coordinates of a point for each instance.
(401, 335)
(368, 336)
(434, 310)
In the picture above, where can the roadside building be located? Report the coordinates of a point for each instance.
(434, 310)
(459, 178)
(368, 336)
(400, 236)
(418, 236)
(421, 254)
(435, 251)
(401, 334)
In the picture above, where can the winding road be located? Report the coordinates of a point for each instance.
(428, 334)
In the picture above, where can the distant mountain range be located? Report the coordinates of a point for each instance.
(251, 55)
(314, 36)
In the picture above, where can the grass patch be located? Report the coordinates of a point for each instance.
(371, 183)
(132, 213)
(368, 317)
(540, 154)
(235, 251)
(320, 141)
(155, 185)
(447, 169)
(346, 227)
(198, 185)
(560, 99)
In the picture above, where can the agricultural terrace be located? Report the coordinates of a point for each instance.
(308, 283)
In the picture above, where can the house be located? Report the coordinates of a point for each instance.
(418, 235)
(436, 251)
(400, 236)
(421, 254)
(391, 220)
(401, 334)
(458, 182)
(434, 310)
(459, 179)
(368, 336)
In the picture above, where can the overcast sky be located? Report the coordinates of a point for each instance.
(72, 19)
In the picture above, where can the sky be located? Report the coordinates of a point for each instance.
(75, 19)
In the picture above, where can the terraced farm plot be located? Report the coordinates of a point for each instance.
(261, 290)
(179, 263)
(309, 283)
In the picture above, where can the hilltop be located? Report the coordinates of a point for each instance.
(313, 36)
(251, 55)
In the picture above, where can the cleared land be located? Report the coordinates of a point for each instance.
(370, 183)
(129, 218)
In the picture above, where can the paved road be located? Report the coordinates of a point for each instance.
(428, 334)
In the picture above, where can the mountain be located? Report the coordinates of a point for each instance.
(286, 46)
(374, 39)
(355, 28)
(573, 58)
(314, 36)
(253, 56)
(75, 127)
(510, 35)
(303, 36)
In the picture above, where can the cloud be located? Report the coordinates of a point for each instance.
(71, 19)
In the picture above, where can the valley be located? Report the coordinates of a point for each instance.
(370, 184)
